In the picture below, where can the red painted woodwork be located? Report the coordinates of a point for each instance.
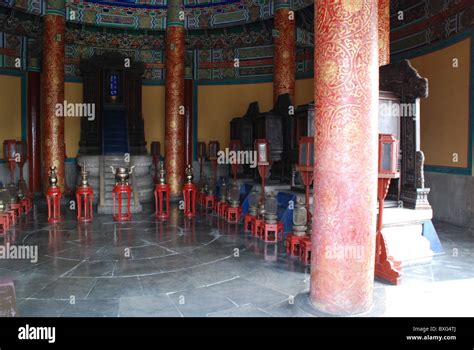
(26, 205)
(384, 31)
(117, 195)
(248, 223)
(272, 232)
(232, 214)
(305, 251)
(293, 244)
(199, 197)
(52, 93)
(284, 54)
(209, 201)
(174, 103)
(346, 100)
(162, 201)
(5, 225)
(221, 208)
(385, 266)
(84, 199)
(392, 143)
(17, 208)
(189, 195)
(257, 227)
(11, 216)
(53, 199)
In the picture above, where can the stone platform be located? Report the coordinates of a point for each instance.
(102, 180)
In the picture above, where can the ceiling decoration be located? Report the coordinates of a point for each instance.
(151, 14)
(250, 34)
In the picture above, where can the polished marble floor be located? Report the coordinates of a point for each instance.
(203, 267)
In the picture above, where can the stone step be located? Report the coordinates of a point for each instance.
(407, 244)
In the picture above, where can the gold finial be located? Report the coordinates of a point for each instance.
(189, 174)
(53, 178)
(84, 175)
(162, 174)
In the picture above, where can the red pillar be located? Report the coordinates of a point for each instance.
(34, 132)
(174, 99)
(284, 51)
(345, 171)
(384, 32)
(52, 91)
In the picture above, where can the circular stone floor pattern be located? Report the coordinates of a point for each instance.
(202, 267)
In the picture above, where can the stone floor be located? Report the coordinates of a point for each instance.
(202, 268)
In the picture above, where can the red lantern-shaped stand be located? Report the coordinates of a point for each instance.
(189, 194)
(385, 266)
(9, 155)
(156, 154)
(263, 161)
(213, 150)
(162, 196)
(235, 146)
(84, 199)
(53, 198)
(4, 225)
(11, 215)
(26, 204)
(117, 194)
(305, 166)
(162, 201)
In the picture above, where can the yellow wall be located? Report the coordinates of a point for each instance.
(218, 104)
(72, 125)
(445, 113)
(153, 109)
(10, 109)
(304, 91)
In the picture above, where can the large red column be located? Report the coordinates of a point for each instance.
(284, 51)
(345, 171)
(174, 99)
(52, 90)
(384, 32)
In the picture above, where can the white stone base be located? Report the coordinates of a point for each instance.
(403, 234)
